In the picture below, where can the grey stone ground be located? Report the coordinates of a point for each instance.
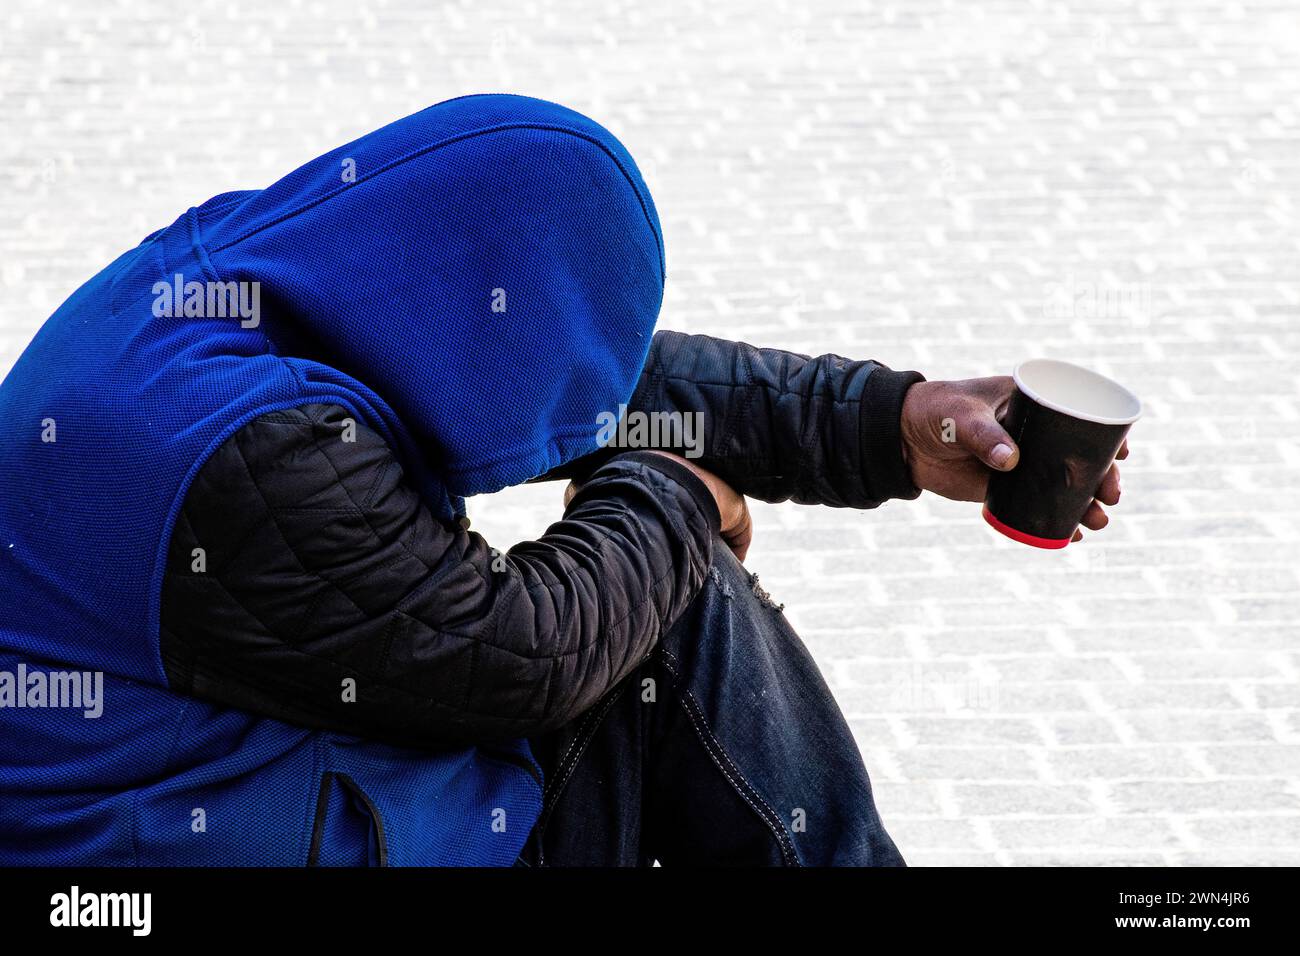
(947, 186)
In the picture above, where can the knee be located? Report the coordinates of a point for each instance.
(735, 581)
(734, 650)
(731, 614)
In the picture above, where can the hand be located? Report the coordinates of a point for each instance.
(967, 414)
(737, 528)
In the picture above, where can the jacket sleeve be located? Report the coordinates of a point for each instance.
(307, 581)
(777, 425)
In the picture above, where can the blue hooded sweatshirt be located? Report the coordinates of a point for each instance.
(477, 282)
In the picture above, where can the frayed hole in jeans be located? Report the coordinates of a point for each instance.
(762, 594)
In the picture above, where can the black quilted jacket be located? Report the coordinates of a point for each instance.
(320, 563)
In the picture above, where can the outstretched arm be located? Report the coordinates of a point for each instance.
(777, 425)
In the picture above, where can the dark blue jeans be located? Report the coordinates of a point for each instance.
(724, 748)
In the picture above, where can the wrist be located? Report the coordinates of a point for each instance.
(909, 417)
(886, 466)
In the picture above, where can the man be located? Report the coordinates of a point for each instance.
(233, 491)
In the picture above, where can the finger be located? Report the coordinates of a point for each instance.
(1078, 535)
(741, 534)
(1123, 451)
(1108, 490)
(981, 435)
(1095, 518)
(738, 542)
(569, 492)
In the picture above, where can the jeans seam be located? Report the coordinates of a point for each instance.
(744, 789)
(581, 740)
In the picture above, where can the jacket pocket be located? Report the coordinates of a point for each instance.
(348, 830)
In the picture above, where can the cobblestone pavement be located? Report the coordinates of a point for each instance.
(947, 186)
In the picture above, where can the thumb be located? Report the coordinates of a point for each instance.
(988, 441)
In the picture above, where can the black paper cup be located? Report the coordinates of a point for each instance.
(1069, 423)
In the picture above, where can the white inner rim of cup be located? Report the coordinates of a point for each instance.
(1078, 392)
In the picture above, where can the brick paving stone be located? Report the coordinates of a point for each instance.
(944, 186)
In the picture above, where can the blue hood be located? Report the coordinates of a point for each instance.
(381, 269)
(491, 267)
